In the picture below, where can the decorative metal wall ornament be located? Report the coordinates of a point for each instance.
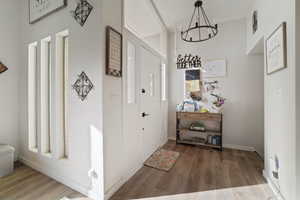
(254, 22)
(82, 11)
(202, 30)
(188, 62)
(3, 68)
(83, 86)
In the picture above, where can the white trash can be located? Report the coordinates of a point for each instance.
(6, 160)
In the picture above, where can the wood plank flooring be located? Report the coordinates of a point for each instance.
(196, 170)
(28, 184)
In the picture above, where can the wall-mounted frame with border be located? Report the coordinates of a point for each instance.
(254, 21)
(39, 9)
(114, 44)
(276, 50)
(214, 68)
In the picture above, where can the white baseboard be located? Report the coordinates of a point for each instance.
(229, 146)
(272, 186)
(58, 177)
(111, 191)
(239, 147)
(172, 138)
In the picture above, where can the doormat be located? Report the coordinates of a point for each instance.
(65, 198)
(162, 160)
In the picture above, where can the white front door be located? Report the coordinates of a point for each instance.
(150, 102)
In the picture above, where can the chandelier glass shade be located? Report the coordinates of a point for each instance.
(200, 28)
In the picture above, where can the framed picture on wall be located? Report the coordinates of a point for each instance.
(113, 52)
(254, 22)
(39, 9)
(214, 68)
(276, 50)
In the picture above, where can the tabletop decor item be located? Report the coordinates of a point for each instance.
(276, 48)
(113, 52)
(39, 9)
(3, 68)
(220, 101)
(82, 11)
(83, 86)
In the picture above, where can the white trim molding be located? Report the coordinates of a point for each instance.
(230, 146)
(112, 190)
(277, 193)
(239, 147)
(58, 177)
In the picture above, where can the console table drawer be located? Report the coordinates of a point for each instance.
(199, 116)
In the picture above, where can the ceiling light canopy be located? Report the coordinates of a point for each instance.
(199, 28)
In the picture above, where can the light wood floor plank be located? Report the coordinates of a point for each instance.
(28, 184)
(231, 174)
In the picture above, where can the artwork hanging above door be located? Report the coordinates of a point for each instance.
(39, 9)
(276, 50)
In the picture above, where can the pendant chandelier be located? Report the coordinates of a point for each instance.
(199, 28)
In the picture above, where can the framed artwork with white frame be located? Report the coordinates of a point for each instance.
(214, 68)
(39, 9)
(276, 50)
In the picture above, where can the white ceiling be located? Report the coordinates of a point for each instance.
(141, 18)
(176, 12)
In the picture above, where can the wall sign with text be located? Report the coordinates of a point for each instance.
(188, 62)
(42, 8)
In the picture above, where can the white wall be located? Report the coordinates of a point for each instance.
(280, 107)
(297, 74)
(113, 136)
(119, 163)
(153, 41)
(242, 87)
(9, 82)
(85, 118)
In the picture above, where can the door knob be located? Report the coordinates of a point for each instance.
(143, 91)
(145, 114)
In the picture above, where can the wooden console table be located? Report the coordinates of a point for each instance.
(213, 123)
